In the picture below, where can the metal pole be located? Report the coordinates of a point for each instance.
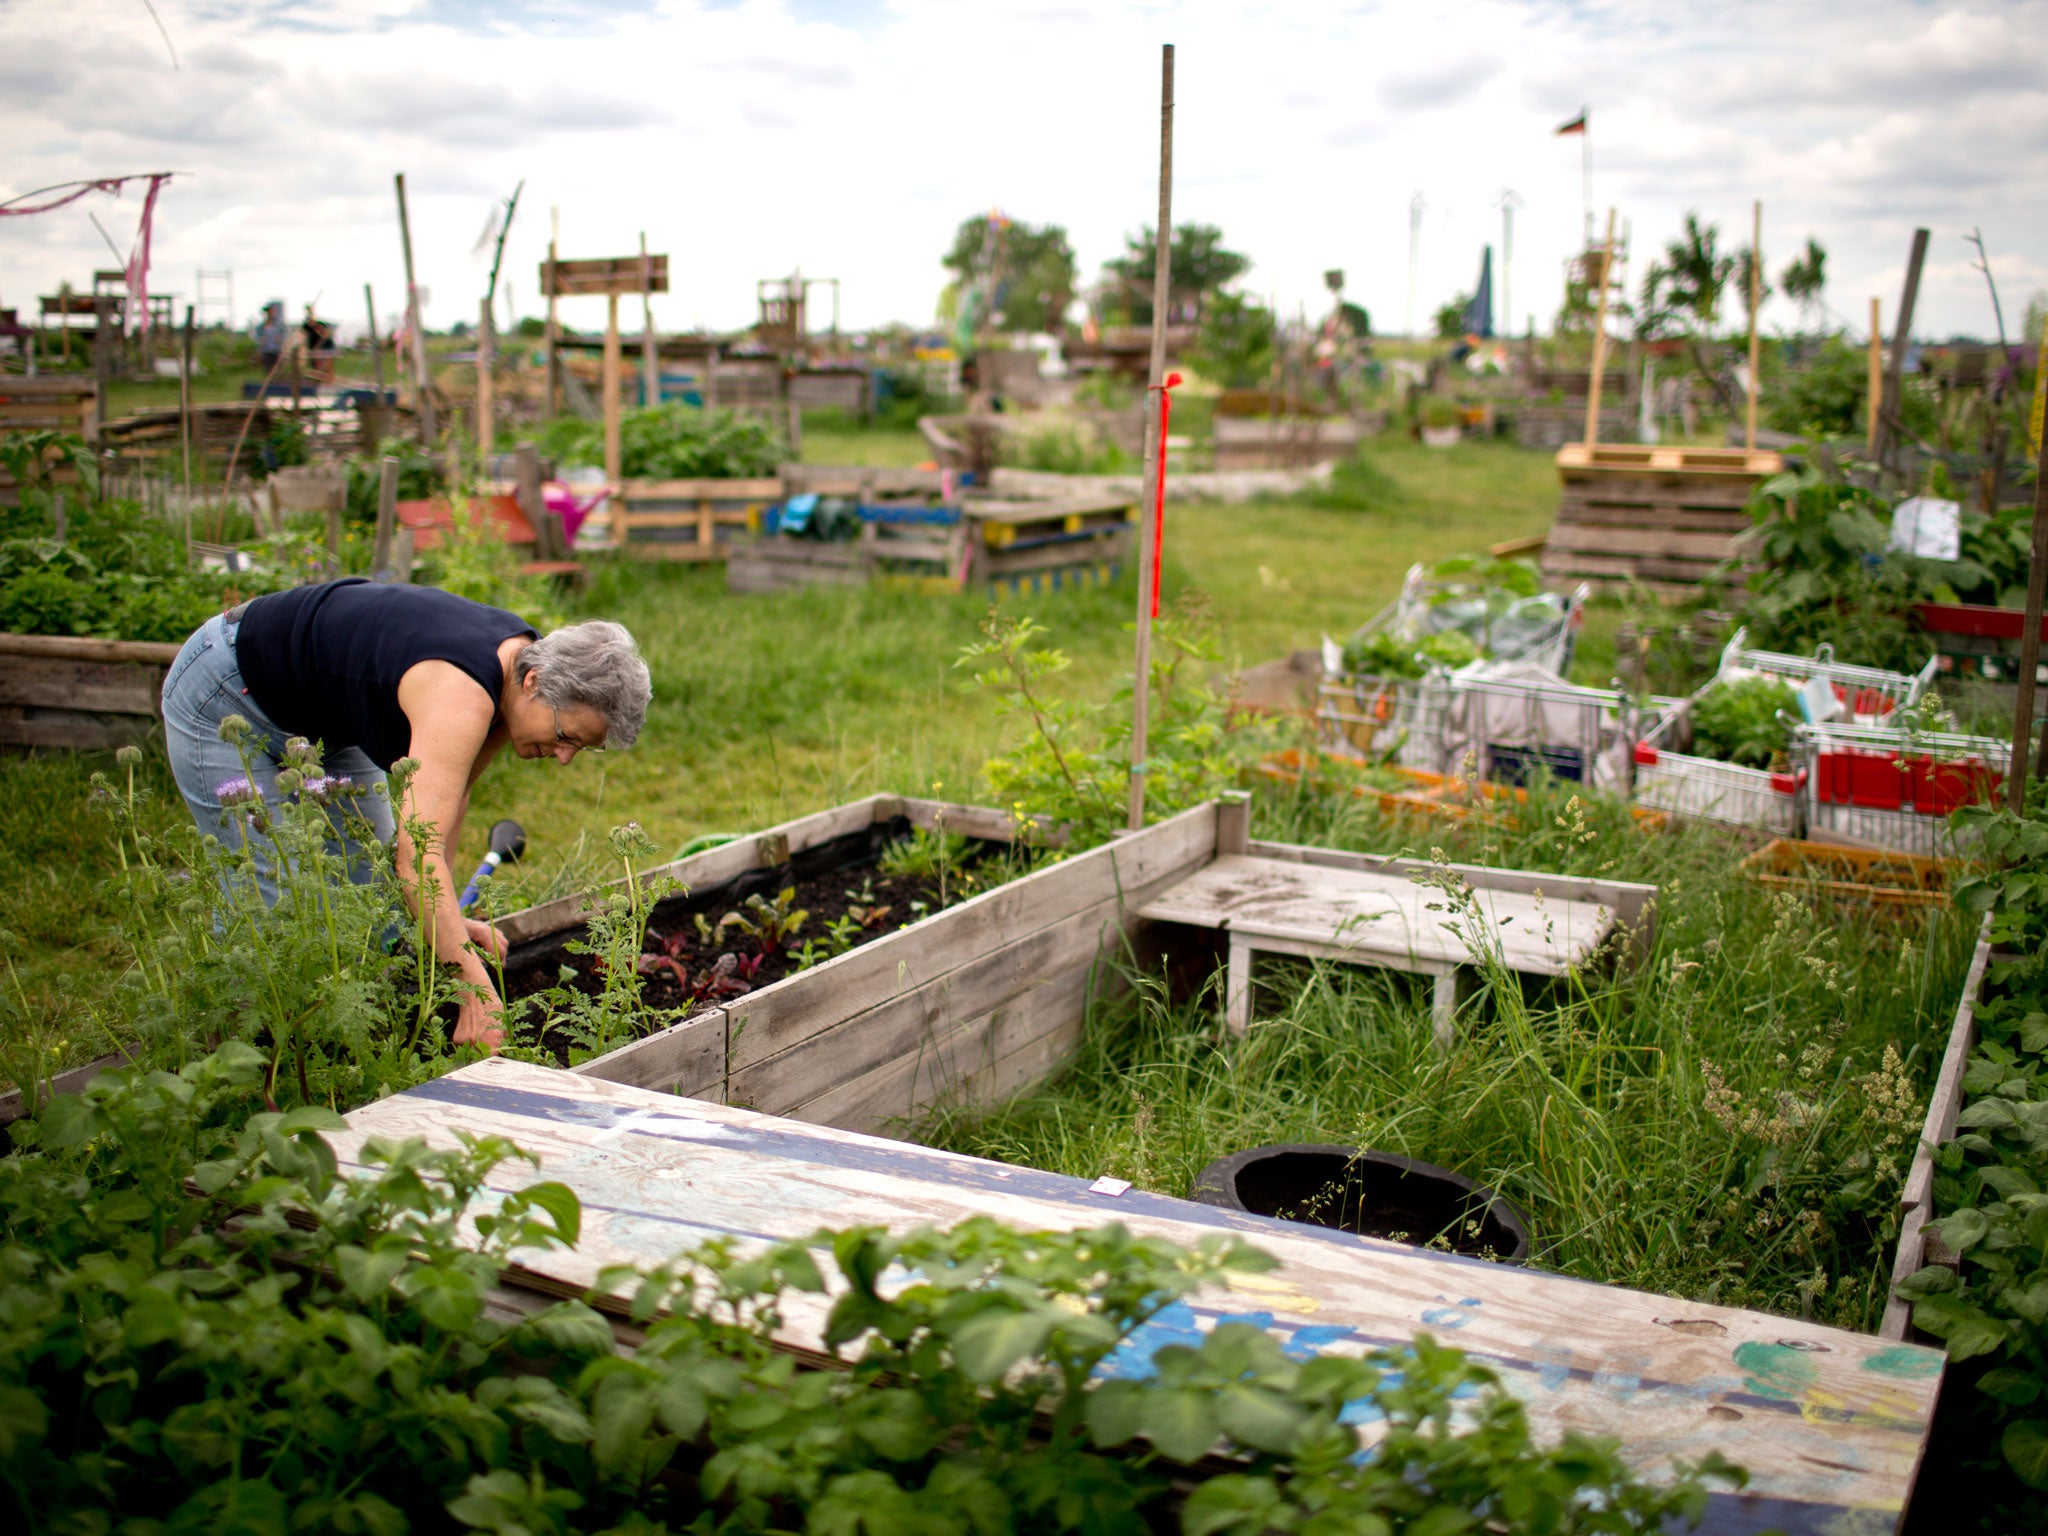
(1162, 271)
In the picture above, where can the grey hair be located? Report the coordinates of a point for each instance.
(595, 664)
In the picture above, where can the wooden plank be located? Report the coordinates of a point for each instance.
(1378, 918)
(763, 489)
(973, 975)
(778, 1017)
(702, 518)
(101, 687)
(686, 1058)
(1633, 904)
(714, 866)
(1947, 1100)
(979, 821)
(1830, 1425)
(1620, 539)
(903, 1089)
(158, 653)
(612, 275)
(74, 1080)
(77, 730)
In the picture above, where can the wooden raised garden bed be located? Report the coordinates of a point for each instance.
(62, 691)
(1916, 1199)
(1661, 517)
(966, 1004)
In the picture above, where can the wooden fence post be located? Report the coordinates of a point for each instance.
(1155, 450)
(387, 515)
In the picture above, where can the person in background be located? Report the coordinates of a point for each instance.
(375, 673)
(270, 337)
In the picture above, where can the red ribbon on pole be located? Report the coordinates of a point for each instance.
(1159, 489)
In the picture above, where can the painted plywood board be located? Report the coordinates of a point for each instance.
(1380, 917)
(1831, 1425)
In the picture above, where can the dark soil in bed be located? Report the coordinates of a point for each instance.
(691, 963)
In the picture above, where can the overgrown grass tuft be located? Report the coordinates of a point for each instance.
(1730, 1122)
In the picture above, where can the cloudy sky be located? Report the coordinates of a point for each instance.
(848, 138)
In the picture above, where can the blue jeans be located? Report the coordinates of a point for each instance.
(204, 687)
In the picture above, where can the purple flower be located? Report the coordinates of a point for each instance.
(321, 787)
(236, 791)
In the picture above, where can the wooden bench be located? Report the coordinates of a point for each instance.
(1382, 916)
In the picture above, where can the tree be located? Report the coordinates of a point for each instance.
(1682, 299)
(1235, 345)
(1201, 267)
(1450, 319)
(1009, 273)
(1803, 278)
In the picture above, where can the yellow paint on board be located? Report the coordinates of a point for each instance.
(1281, 1294)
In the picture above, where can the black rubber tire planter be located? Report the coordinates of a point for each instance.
(1375, 1194)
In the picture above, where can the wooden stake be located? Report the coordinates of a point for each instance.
(1888, 416)
(376, 347)
(387, 516)
(553, 352)
(1874, 405)
(2030, 650)
(486, 402)
(412, 312)
(1756, 300)
(650, 362)
(612, 452)
(1600, 336)
(1162, 271)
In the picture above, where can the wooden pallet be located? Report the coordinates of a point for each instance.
(687, 519)
(1643, 514)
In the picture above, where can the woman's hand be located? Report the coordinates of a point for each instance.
(488, 940)
(481, 1021)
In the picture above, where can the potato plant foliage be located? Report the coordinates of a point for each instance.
(1991, 1180)
(206, 1326)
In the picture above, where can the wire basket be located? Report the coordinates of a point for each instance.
(1706, 789)
(1895, 788)
(1396, 719)
(1868, 695)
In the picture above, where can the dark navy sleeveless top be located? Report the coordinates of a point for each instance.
(324, 661)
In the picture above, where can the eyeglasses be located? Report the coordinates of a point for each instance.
(564, 739)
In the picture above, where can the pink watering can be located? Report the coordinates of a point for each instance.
(571, 508)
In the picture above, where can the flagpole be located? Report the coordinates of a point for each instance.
(1586, 168)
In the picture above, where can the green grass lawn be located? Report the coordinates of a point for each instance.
(767, 707)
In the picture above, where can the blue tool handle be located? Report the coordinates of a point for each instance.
(474, 890)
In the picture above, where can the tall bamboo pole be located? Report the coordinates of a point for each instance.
(554, 355)
(486, 385)
(650, 361)
(613, 453)
(1600, 337)
(376, 348)
(1876, 401)
(1756, 300)
(185, 422)
(412, 312)
(1162, 271)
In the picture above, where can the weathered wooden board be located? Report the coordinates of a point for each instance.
(1379, 918)
(1830, 1425)
(779, 1017)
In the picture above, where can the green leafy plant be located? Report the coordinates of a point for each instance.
(1073, 767)
(614, 936)
(209, 1327)
(771, 924)
(673, 441)
(1740, 721)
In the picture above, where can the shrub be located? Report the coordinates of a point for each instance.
(672, 442)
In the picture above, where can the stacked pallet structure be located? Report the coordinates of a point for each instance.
(60, 404)
(1655, 517)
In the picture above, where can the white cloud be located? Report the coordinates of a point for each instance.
(849, 137)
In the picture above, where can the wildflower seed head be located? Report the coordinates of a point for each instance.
(298, 750)
(235, 791)
(631, 841)
(128, 757)
(290, 781)
(234, 728)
